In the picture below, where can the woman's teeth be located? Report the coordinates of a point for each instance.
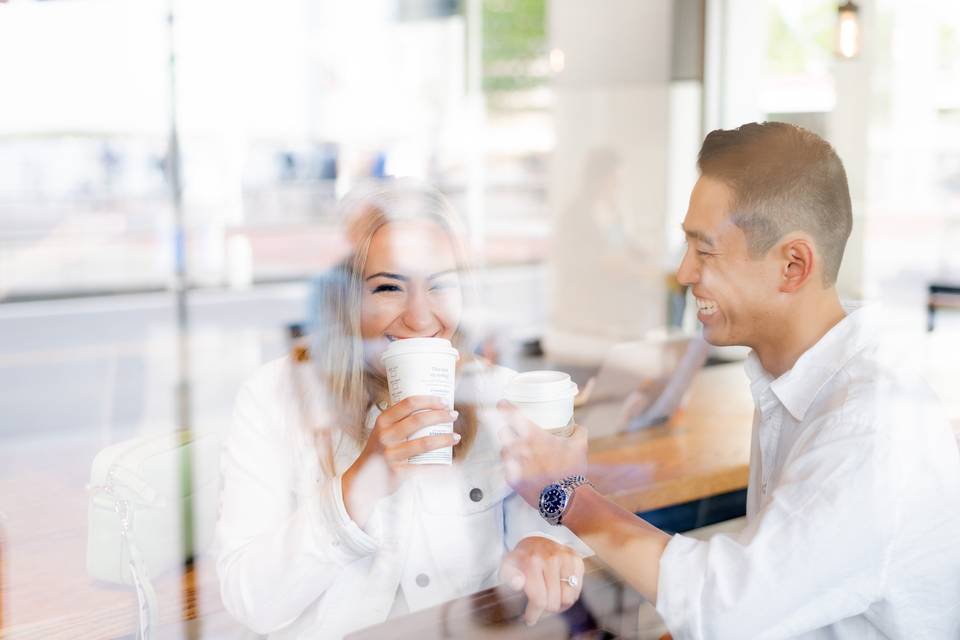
(391, 338)
(706, 307)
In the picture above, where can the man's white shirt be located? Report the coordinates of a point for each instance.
(853, 509)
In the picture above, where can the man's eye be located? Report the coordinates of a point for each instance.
(703, 253)
(385, 287)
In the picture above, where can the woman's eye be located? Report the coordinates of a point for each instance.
(703, 253)
(444, 285)
(385, 287)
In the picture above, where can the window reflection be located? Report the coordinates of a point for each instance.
(563, 137)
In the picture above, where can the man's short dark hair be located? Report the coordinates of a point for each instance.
(784, 178)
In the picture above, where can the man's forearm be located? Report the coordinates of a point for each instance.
(626, 543)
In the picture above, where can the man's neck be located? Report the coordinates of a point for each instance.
(799, 331)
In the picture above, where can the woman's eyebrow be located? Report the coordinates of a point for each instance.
(386, 274)
(403, 278)
(441, 273)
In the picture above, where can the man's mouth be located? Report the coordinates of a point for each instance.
(706, 307)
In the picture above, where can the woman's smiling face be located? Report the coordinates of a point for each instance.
(411, 287)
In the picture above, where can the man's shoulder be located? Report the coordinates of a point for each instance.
(876, 377)
(873, 393)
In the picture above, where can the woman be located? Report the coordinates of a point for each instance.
(324, 526)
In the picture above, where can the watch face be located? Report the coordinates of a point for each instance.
(553, 500)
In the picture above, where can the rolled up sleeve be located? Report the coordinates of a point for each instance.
(332, 524)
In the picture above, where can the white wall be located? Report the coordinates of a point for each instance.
(608, 184)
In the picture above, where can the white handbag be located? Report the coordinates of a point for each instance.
(152, 507)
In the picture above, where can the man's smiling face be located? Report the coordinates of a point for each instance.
(736, 296)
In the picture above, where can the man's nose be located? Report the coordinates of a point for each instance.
(688, 273)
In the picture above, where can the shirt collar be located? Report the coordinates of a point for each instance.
(798, 388)
(759, 381)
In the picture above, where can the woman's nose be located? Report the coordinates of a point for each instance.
(418, 315)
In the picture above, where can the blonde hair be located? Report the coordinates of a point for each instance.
(337, 349)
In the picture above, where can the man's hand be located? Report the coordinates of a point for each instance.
(551, 574)
(534, 458)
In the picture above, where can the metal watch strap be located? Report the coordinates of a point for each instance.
(570, 484)
(574, 481)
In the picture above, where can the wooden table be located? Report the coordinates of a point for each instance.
(703, 451)
(45, 592)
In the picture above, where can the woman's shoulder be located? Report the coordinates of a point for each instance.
(280, 384)
(270, 376)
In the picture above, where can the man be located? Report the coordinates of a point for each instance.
(853, 503)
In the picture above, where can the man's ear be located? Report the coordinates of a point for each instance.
(797, 259)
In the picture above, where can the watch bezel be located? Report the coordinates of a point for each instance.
(552, 514)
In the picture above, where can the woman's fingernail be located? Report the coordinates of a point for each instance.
(517, 583)
(456, 438)
(454, 414)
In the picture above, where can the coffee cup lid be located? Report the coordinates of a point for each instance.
(420, 345)
(540, 386)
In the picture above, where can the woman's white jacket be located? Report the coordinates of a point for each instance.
(292, 563)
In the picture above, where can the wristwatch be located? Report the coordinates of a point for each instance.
(555, 498)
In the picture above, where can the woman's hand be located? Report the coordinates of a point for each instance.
(383, 463)
(551, 574)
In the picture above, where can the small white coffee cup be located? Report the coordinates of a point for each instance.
(423, 367)
(546, 398)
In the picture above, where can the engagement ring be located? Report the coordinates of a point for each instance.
(572, 581)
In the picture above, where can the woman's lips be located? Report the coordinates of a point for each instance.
(393, 338)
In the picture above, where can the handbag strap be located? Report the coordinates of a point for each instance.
(148, 608)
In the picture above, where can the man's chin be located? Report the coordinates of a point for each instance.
(717, 338)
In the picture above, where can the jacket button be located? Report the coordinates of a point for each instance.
(476, 494)
(423, 580)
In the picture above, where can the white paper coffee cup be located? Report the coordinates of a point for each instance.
(423, 367)
(546, 398)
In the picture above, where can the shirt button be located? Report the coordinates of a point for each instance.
(476, 494)
(423, 580)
